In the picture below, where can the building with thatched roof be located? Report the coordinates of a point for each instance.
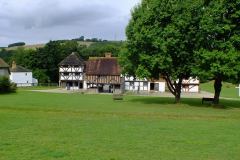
(23, 77)
(4, 68)
(103, 73)
(71, 72)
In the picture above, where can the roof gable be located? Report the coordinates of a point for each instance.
(3, 64)
(19, 69)
(72, 60)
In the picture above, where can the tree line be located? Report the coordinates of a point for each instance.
(44, 61)
(181, 39)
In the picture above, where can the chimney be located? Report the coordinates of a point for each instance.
(14, 65)
(108, 55)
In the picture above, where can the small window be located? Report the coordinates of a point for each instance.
(145, 84)
(131, 83)
(27, 81)
(66, 74)
(26, 74)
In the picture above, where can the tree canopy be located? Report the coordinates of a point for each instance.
(44, 61)
(219, 56)
(178, 39)
(161, 39)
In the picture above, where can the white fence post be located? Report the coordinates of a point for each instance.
(238, 90)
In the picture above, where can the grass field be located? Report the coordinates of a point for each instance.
(228, 90)
(35, 46)
(45, 126)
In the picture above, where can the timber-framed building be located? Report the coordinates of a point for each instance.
(103, 74)
(71, 72)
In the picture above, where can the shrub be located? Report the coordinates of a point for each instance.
(6, 86)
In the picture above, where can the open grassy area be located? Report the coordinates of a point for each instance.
(228, 90)
(47, 126)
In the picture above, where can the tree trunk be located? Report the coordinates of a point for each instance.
(175, 88)
(217, 88)
(178, 91)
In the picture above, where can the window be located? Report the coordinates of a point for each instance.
(25, 74)
(145, 84)
(66, 74)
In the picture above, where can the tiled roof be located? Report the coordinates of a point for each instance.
(72, 60)
(19, 69)
(3, 64)
(103, 66)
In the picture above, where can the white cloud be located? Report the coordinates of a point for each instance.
(35, 21)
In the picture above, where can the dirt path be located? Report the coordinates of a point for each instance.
(165, 94)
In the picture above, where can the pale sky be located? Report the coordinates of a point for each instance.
(38, 21)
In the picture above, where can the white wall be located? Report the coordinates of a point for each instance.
(162, 86)
(71, 77)
(191, 89)
(71, 69)
(136, 86)
(191, 85)
(139, 86)
(22, 78)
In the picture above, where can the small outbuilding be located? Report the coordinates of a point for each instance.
(23, 77)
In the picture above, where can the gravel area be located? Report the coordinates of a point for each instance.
(165, 94)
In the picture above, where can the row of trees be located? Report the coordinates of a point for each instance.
(44, 61)
(16, 44)
(82, 39)
(181, 39)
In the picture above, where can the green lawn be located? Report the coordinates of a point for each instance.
(228, 90)
(42, 126)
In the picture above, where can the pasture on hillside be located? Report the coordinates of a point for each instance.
(48, 126)
(229, 90)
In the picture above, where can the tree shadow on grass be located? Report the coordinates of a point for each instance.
(194, 102)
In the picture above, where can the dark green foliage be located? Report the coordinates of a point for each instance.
(44, 61)
(16, 44)
(6, 86)
(6, 55)
(99, 49)
(219, 58)
(162, 37)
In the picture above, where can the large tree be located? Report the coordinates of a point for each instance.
(162, 36)
(219, 58)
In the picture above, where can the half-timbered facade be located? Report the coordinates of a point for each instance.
(103, 74)
(139, 85)
(191, 85)
(71, 72)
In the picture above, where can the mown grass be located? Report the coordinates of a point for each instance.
(228, 90)
(75, 126)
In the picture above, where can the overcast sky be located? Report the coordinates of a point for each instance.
(38, 21)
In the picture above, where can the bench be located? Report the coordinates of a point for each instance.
(207, 99)
(117, 96)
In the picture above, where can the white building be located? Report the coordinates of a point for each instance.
(4, 68)
(21, 76)
(138, 85)
(191, 85)
(71, 73)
